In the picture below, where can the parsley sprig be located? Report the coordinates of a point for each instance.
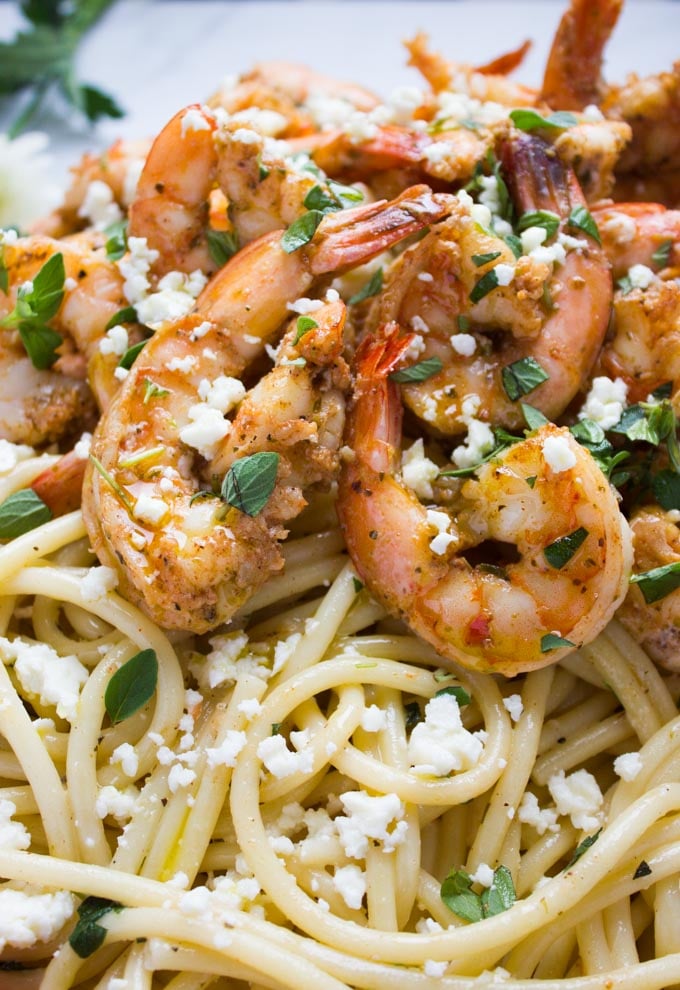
(40, 59)
(37, 302)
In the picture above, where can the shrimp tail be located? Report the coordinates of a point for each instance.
(573, 73)
(60, 486)
(350, 237)
(505, 63)
(537, 178)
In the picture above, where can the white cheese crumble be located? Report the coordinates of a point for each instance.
(514, 705)
(134, 267)
(126, 756)
(558, 454)
(441, 522)
(483, 875)
(56, 680)
(13, 835)
(578, 796)
(250, 707)
(641, 277)
(194, 119)
(532, 238)
(350, 883)
(464, 344)
(207, 427)
(111, 802)
(418, 471)
(620, 226)
(368, 817)
(28, 916)
(281, 761)
(223, 393)
(504, 273)
(592, 114)
(373, 719)
(530, 813)
(480, 437)
(433, 968)
(82, 447)
(304, 306)
(441, 743)
(174, 297)
(115, 341)
(225, 754)
(97, 583)
(605, 401)
(98, 206)
(222, 664)
(149, 509)
(180, 776)
(11, 454)
(628, 765)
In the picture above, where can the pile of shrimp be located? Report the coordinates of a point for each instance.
(421, 305)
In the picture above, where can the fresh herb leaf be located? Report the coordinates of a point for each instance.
(643, 870)
(262, 170)
(666, 489)
(4, 274)
(419, 372)
(92, 102)
(662, 255)
(358, 585)
(370, 289)
(153, 391)
(582, 219)
(651, 422)
(522, 377)
(250, 481)
(658, 582)
(131, 686)
(412, 715)
(625, 284)
(551, 641)
(500, 895)
(531, 120)
(458, 896)
(483, 259)
(533, 417)
(559, 553)
(321, 199)
(514, 244)
(549, 221)
(21, 512)
(463, 322)
(458, 692)
(37, 302)
(583, 847)
(127, 315)
(484, 286)
(276, 728)
(222, 245)
(131, 355)
(88, 936)
(116, 243)
(531, 480)
(301, 231)
(304, 325)
(40, 343)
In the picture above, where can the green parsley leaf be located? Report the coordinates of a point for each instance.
(531, 120)
(131, 686)
(500, 895)
(40, 343)
(37, 303)
(21, 512)
(458, 896)
(370, 289)
(458, 692)
(484, 286)
(304, 325)
(651, 422)
(559, 553)
(662, 255)
(522, 377)
(88, 936)
(116, 243)
(463, 323)
(531, 480)
(153, 391)
(126, 315)
(419, 372)
(483, 259)
(553, 642)
(643, 869)
(666, 489)
(131, 355)
(250, 481)
(358, 585)
(321, 199)
(4, 274)
(263, 170)
(533, 417)
(583, 847)
(222, 245)
(549, 221)
(301, 231)
(92, 102)
(582, 219)
(514, 243)
(276, 728)
(658, 582)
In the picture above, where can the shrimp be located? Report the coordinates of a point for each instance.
(117, 169)
(481, 581)
(632, 233)
(655, 625)
(190, 158)
(557, 316)
(60, 486)
(164, 434)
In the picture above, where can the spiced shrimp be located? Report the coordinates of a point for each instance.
(190, 561)
(479, 310)
(529, 561)
(639, 234)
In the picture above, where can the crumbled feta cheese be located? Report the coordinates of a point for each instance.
(425, 277)
(13, 835)
(620, 226)
(149, 509)
(415, 348)
(11, 454)
(530, 813)
(439, 151)
(419, 325)
(134, 267)
(127, 757)
(225, 754)
(532, 238)
(417, 471)
(28, 915)
(628, 765)
(56, 680)
(82, 447)
(194, 119)
(281, 761)
(120, 374)
(207, 428)
(250, 707)
(201, 330)
(480, 437)
(367, 818)
(222, 664)
(440, 743)
(441, 522)
(97, 583)
(578, 796)
(605, 401)
(513, 704)
(434, 969)
(180, 776)
(98, 206)
(463, 343)
(592, 114)
(350, 883)
(373, 719)
(265, 122)
(174, 297)
(115, 341)
(284, 650)
(558, 454)
(504, 273)
(120, 805)
(304, 306)
(483, 875)
(223, 393)
(641, 277)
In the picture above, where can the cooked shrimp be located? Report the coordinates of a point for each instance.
(433, 287)
(166, 430)
(651, 106)
(61, 486)
(632, 233)
(116, 170)
(190, 158)
(477, 581)
(655, 625)
(593, 149)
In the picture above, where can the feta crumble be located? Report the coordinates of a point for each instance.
(55, 679)
(578, 796)
(628, 765)
(605, 401)
(440, 743)
(418, 471)
(367, 818)
(558, 454)
(97, 583)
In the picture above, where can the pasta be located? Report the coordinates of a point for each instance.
(303, 793)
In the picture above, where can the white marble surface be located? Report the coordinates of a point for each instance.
(155, 56)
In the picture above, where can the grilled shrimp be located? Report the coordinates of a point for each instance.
(634, 233)
(530, 560)
(551, 305)
(165, 435)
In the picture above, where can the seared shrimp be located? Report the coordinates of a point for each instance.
(634, 233)
(164, 434)
(480, 309)
(655, 625)
(530, 561)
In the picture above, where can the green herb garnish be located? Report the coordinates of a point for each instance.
(531, 120)
(559, 553)
(88, 936)
(658, 582)
(116, 243)
(126, 315)
(522, 377)
(550, 222)
(131, 355)
(553, 642)
(304, 325)
(250, 481)
(222, 245)
(301, 231)
(370, 289)
(484, 286)
(662, 255)
(419, 372)
(131, 686)
(21, 512)
(583, 847)
(37, 302)
(456, 892)
(483, 259)
(458, 692)
(582, 219)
